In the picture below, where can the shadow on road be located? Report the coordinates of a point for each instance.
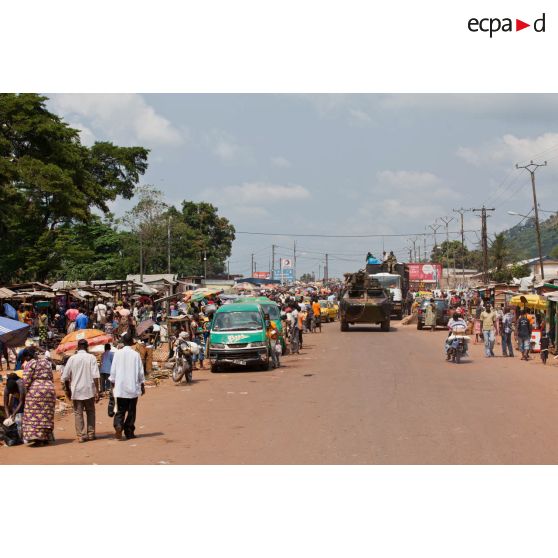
(369, 329)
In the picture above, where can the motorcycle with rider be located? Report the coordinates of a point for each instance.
(456, 345)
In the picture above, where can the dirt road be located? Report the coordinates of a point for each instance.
(356, 397)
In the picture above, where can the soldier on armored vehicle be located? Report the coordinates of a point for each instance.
(364, 301)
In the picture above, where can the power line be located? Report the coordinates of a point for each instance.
(343, 235)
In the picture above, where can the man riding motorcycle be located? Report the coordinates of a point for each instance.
(457, 327)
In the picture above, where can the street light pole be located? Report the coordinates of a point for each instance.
(205, 266)
(532, 167)
(169, 244)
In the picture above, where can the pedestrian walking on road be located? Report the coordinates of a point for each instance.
(127, 379)
(507, 330)
(488, 322)
(40, 399)
(430, 315)
(524, 329)
(81, 382)
(106, 363)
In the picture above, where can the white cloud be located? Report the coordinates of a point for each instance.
(86, 136)
(250, 212)
(225, 147)
(256, 194)
(408, 179)
(122, 118)
(360, 116)
(425, 185)
(510, 149)
(280, 162)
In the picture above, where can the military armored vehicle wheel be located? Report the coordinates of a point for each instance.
(344, 326)
(385, 325)
(215, 368)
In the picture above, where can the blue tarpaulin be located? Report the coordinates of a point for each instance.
(12, 332)
(10, 311)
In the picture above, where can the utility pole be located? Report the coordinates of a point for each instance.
(415, 240)
(461, 211)
(252, 268)
(169, 244)
(532, 168)
(447, 221)
(326, 269)
(228, 270)
(273, 261)
(294, 260)
(434, 228)
(141, 256)
(484, 242)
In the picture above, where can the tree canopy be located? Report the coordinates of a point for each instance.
(54, 202)
(50, 181)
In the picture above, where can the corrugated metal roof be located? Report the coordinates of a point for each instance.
(6, 293)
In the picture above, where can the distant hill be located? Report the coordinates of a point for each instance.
(523, 238)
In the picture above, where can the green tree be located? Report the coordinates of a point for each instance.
(146, 221)
(198, 231)
(500, 252)
(452, 251)
(307, 278)
(49, 180)
(87, 251)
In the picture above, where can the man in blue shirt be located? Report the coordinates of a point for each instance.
(106, 363)
(82, 320)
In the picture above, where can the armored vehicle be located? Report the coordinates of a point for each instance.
(396, 281)
(364, 301)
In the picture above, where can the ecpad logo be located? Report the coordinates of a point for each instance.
(493, 25)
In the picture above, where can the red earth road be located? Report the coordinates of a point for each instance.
(357, 397)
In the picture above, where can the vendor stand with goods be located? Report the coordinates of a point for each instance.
(536, 305)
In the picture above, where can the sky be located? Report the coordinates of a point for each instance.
(340, 164)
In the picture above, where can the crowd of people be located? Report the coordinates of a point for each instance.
(486, 322)
(120, 372)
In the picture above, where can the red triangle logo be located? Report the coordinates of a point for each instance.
(519, 25)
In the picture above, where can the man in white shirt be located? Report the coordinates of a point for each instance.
(127, 379)
(81, 383)
(100, 312)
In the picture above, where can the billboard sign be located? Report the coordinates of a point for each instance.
(286, 263)
(261, 275)
(425, 272)
(285, 275)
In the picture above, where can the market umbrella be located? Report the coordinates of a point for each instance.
(143, 326)
(93, 336)
(533, 301)
(12, 332)
(200, 294)
(244, 287)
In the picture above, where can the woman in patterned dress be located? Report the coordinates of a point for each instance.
(40, 400)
